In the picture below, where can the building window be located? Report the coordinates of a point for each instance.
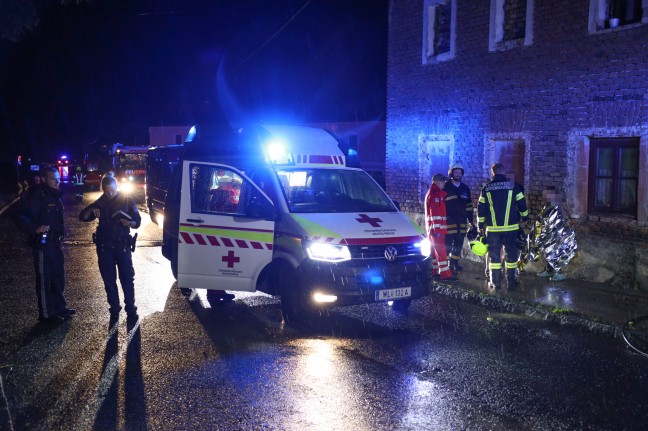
(610, 14)
(614, 175)
(439, 23)
(511, 24)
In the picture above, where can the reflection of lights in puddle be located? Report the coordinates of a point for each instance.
(424, 398)
(324, 396)
(318, 363)
(558, 296)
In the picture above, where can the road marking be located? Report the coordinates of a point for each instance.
(6, 401)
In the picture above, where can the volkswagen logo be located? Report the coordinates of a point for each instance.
(391, 253)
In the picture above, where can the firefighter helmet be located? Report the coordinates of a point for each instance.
(453, 167)
(479, 247)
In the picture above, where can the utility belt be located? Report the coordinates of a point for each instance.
(43, 240)
(128, 241)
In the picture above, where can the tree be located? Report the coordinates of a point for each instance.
(18, 17)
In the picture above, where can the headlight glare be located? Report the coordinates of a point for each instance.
(328, 252)
(426, 247)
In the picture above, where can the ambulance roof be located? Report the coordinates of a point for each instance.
(307, 146)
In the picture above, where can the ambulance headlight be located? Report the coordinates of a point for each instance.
(328, 252)
(425, 246)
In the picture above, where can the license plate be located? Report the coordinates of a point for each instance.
(389, 294)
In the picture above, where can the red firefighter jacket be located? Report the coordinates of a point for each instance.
(436, 221)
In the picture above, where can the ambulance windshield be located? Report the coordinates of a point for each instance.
(332, 191)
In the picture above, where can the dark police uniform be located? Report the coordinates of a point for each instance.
(502, 206)
(113, 243)
(459, 210)
(42, 206)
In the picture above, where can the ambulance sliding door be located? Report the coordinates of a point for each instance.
(226, 229)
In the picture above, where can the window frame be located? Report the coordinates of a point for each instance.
(599, 16)
(498, 22)
(616, 143)
(429, 26)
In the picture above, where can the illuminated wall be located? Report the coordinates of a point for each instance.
(526, 82)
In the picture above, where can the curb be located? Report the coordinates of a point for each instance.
(4, 206)
(569, 318)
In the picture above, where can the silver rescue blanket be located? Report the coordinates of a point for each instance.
(554, 238)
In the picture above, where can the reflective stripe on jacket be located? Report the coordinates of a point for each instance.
(502, 205)
(459, 207)
(435, 211)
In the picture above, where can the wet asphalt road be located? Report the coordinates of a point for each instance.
(446, 365)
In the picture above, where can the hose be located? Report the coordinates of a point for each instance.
(629, 328)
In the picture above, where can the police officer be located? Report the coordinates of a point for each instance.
(500, 210)
(114, 243)
(41, 217)
(459, 209)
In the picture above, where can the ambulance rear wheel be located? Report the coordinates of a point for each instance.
(401, 305)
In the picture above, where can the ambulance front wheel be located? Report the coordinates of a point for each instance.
(174, 267)
(295, 304)
(401, 305)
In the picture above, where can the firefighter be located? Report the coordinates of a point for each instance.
(459, 208)
(79, 183)
(501, 208)
(436, 227)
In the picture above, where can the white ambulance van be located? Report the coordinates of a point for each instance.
(275, 209)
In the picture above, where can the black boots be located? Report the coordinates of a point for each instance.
(511, 277)
(495, 280)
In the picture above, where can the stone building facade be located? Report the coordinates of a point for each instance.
(556, 90)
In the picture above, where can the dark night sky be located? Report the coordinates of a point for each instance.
(103, 72)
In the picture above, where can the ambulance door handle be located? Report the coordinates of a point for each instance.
(195, 220)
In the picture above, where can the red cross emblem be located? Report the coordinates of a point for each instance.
(364, 218)
(231, 259)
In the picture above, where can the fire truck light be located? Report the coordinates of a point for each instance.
(126, 187)
(320, 298)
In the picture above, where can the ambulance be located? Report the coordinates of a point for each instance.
(275, 208)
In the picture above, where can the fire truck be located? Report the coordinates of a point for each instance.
(130, 169)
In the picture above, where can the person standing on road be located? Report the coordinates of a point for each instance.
(117, 214)
(41, 216)
(501, 208)
(436, 227)
(79, 183)
(459, 208)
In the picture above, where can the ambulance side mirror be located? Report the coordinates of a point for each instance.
(261, 210)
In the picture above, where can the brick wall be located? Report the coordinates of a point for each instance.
(567, 86)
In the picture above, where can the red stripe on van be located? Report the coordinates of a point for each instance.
(227, 242)
(212, 240)
(186, 237)
(200, 239)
